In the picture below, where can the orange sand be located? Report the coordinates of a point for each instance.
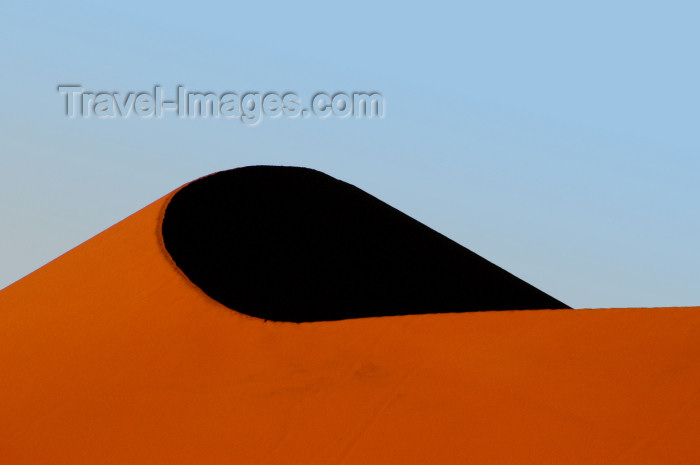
(109, 355)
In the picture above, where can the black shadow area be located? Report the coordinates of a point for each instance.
(294, 244)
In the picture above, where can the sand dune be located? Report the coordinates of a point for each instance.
(293, 244)
(110, 354)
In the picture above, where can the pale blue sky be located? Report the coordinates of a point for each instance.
(557, 139)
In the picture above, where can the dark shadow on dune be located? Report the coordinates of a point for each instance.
(293, 244)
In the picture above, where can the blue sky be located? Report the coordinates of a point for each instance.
(557, 139)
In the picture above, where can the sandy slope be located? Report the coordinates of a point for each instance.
(110, 355)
